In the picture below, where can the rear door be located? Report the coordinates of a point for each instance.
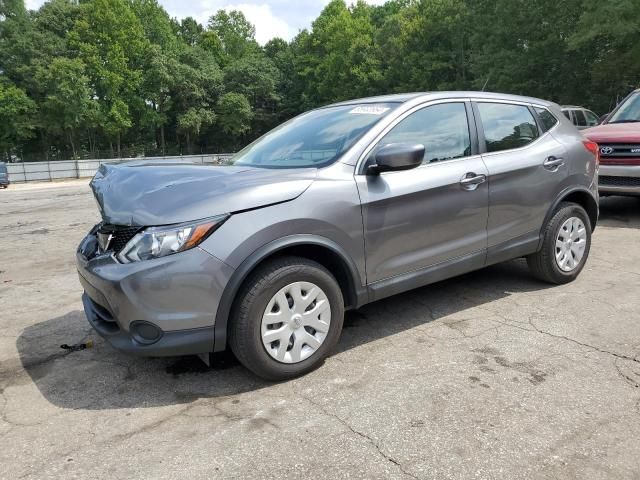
(418, 218)
(526, 166)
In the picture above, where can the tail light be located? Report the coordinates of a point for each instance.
(593, 148)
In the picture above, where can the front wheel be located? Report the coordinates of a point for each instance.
(287, 318)
(565, 246)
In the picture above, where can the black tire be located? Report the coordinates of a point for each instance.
(246, 317)
(543, 264)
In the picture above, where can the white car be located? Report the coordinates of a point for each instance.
(581, 117)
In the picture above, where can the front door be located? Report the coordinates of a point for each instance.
(437, 212)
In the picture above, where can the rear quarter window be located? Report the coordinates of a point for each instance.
(507, 126)
(547, 119)
(592, 118)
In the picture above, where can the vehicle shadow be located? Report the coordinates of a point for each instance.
(620, 212)
(102, 378)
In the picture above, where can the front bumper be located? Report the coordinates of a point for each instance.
(619, 179)
(160, 307)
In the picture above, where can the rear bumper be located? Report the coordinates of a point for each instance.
(161, 307)
(619, 179)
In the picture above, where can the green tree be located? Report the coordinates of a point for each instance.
(110, 39)
(288, 87)
(67, 104)
(609, 33)
(91, 73)
(522, 47)
(17, 113)
(338, 59)
(235, 114)
(236, 33)
(158, 82)
(193, 121)
(424, 46)
(189, 31)
(198, 83)
(256, 77)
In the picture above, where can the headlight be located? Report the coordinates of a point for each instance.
(155, 242)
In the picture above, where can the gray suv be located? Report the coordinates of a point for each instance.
(336, 208)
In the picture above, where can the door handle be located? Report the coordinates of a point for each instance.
(553, 163)
(471, 181)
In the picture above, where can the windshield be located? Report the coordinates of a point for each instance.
(629, 111)
(313, 139)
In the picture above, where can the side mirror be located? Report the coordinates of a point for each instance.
(397, 156)
(602, 118)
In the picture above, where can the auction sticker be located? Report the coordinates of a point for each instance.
(369, 110)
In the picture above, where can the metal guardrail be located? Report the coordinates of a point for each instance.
(66, 169)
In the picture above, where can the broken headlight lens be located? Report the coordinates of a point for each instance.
(155, 242)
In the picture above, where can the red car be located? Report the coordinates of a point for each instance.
(619, 139)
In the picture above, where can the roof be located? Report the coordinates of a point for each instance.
(405, 97)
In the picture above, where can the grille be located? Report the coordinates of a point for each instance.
(620, 153)
(121, 235)
(619, 181)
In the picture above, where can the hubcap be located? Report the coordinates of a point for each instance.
(570, 244)
(296, 322)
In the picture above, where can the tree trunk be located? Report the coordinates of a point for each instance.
(188, 142)
(162, 143)
(45, 146)
(73, 145)
(111, 148)
(92, 144)
(119, 152)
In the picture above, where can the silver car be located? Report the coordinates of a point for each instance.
(336, 208)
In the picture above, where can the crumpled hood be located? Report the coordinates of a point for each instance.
(614, 133)
(146, 193)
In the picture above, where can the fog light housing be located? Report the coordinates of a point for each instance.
(145, 333)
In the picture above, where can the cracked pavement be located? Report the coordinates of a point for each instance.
(489, 375)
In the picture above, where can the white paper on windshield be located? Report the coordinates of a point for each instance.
(369, 110)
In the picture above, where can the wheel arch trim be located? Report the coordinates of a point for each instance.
(252, 261)
(561, 198)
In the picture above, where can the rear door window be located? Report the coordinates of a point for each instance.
(507, 126)
(580, 120)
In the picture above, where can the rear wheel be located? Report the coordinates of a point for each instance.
(287, 318)
(565, 246)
